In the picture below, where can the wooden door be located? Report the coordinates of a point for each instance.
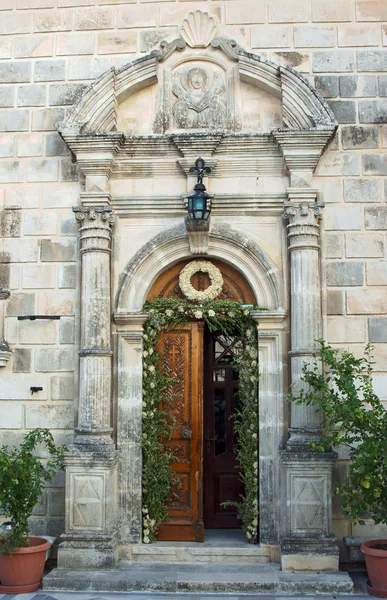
(221, 473)
(182, 350)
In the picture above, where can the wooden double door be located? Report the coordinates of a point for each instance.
(203, 443)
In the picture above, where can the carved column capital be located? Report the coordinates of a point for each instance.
(303, 214)
(95, 225)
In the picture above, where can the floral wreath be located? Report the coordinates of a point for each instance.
(188, 289)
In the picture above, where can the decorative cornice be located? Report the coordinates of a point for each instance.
(302, 149)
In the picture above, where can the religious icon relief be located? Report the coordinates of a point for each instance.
(200, 103)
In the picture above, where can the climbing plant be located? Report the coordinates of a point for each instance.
(226, 317)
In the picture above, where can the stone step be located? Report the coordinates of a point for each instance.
(198, 553)
(240, 578)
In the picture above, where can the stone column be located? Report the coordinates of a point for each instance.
(5, 350)
(308, 543)
(91, 464)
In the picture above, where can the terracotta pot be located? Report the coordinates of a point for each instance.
(22, 571)
(376, 563)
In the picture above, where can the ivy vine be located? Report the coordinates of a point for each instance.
(229, 318)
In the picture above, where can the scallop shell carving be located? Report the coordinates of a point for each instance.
(198, 29)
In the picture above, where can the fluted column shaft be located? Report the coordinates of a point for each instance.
(94, 428)
(303, 214)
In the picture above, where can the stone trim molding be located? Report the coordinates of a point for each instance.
(5, 349)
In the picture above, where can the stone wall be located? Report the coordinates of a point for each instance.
(49, 51)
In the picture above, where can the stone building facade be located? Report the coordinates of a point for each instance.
(286, 100)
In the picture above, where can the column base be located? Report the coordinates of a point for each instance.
(88, 552)
(308, 555)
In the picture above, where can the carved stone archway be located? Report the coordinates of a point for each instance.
(106, 156)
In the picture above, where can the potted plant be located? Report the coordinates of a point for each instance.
(22, 478)
(341, 385)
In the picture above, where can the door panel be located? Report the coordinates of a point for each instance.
(183, 359)
(221, 475)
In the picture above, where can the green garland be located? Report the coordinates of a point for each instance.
(231, 319)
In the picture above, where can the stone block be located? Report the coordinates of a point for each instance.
(117, 42)
(56, 503)
(48, 119)
(31, 4)
(377, 273)
(50, 360)
(330, 10)
(37, 332)
(373, 111)
(345, 273)
(7, 145)
(375, 164)
(75, 44)
(67, 331)
(20, 304)
(33, 46)
(88, 68)
(67, 276)
(53, 20)
(382, 85)
(29, 144)
(62, 387)
(73, 3)
(354, 86)
(276, 36)
(68, 227)
(6, 47)
(142, 16)
(333, 245)
(62, 94)
(49, 70)
(367, 302)
(18, 250)
(288, 11)
(362, 190)
(342, 218)
(21, 360)
(42, 169)
(7, 96)
(358, 35)
(384, 35)
(40, 508)
(335, 302)
(371, 10)
(58, 251)
(38, 276)
(327, 85)
(11, 415)
(344, 110)
(23, 195)
(69, 171)
(14, 120)
(11, 171)
(346, 330)
(334, 164)
(14, 22)
(314, 36)
(245, 12)
(380, 386)
(62, 195)
(150, 39)
(380, 358)
(55, 145)
(375, 217)
(358, 137)
(43, 526)
(372, 60)
(297, 60)
(10, 222)
(377, 328)
(56, 303)
(330, 189)
(333, 61)
(31, 95)
(94, 18)
(364, 245)
(52, 416)
(15, 72)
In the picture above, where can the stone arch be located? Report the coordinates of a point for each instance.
(171, 246)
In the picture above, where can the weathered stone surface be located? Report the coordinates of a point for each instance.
(357, 35)
(69, 171)
(10, 222)
(370, 301)
(34, 46)
(346, 329)
(11, 171)
(11, 415)
(382, 85)
(74, 44)
(278, 36)
(40, 224)
(372, 60)
(296, 60)
(66, 331)
(6, 48)
(38, 276)
(68, 227)
(18, 250)
(343, 218)
(357, 136)
(7, 95)
(20, 304)
(42, 169)
(21, 360)
(12, 22)
(88, 68)
(344, 110)
(375, 217)
(333, 164)
(245, 12)
(377, 330)
(40, 508)
(59, 196)
(62, 94)
(362, 190)
(295, 12)
(314, 36)
(333, 61)
(14, 120)
(117, 43)
(335, 302)
(330, 189)
(367, 245)
(362, 86)
(375, 164)
(374, 10)
(15, 72)
(329, 10)
(31, 95)
(334, 245)
(345, 273)
(60, 251)
(56, 303)
(67, 276)
(53, 20)
(55, 146)
(49, 70)
(327, 85)
(56, 503)
(94, 18)
(38, 332)
(48, 119)
(150, 39)
(62, 387)
(7, 145)
(51, 360)
(377, 273)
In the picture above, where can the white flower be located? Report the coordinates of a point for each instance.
(181, 309)
(254, 436)
(253, 363)
(146, 540)
(144, 414)
(249, 332)
(152, 385)
(211, 313)
(152, 368)
(150, 351)
(169, 313)
(145, 337)
(145, 353)
(145, 510)
(248, 535)
(198, 314)
(246, 312)
(231, 314)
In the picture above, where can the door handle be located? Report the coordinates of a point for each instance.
(186, 434)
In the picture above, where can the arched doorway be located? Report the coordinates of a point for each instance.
(203, 442)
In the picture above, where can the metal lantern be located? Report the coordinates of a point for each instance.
(199, 202)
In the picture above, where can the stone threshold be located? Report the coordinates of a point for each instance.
(199, 578)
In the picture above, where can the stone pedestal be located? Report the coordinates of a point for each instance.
(308, 543)
(91, 465)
